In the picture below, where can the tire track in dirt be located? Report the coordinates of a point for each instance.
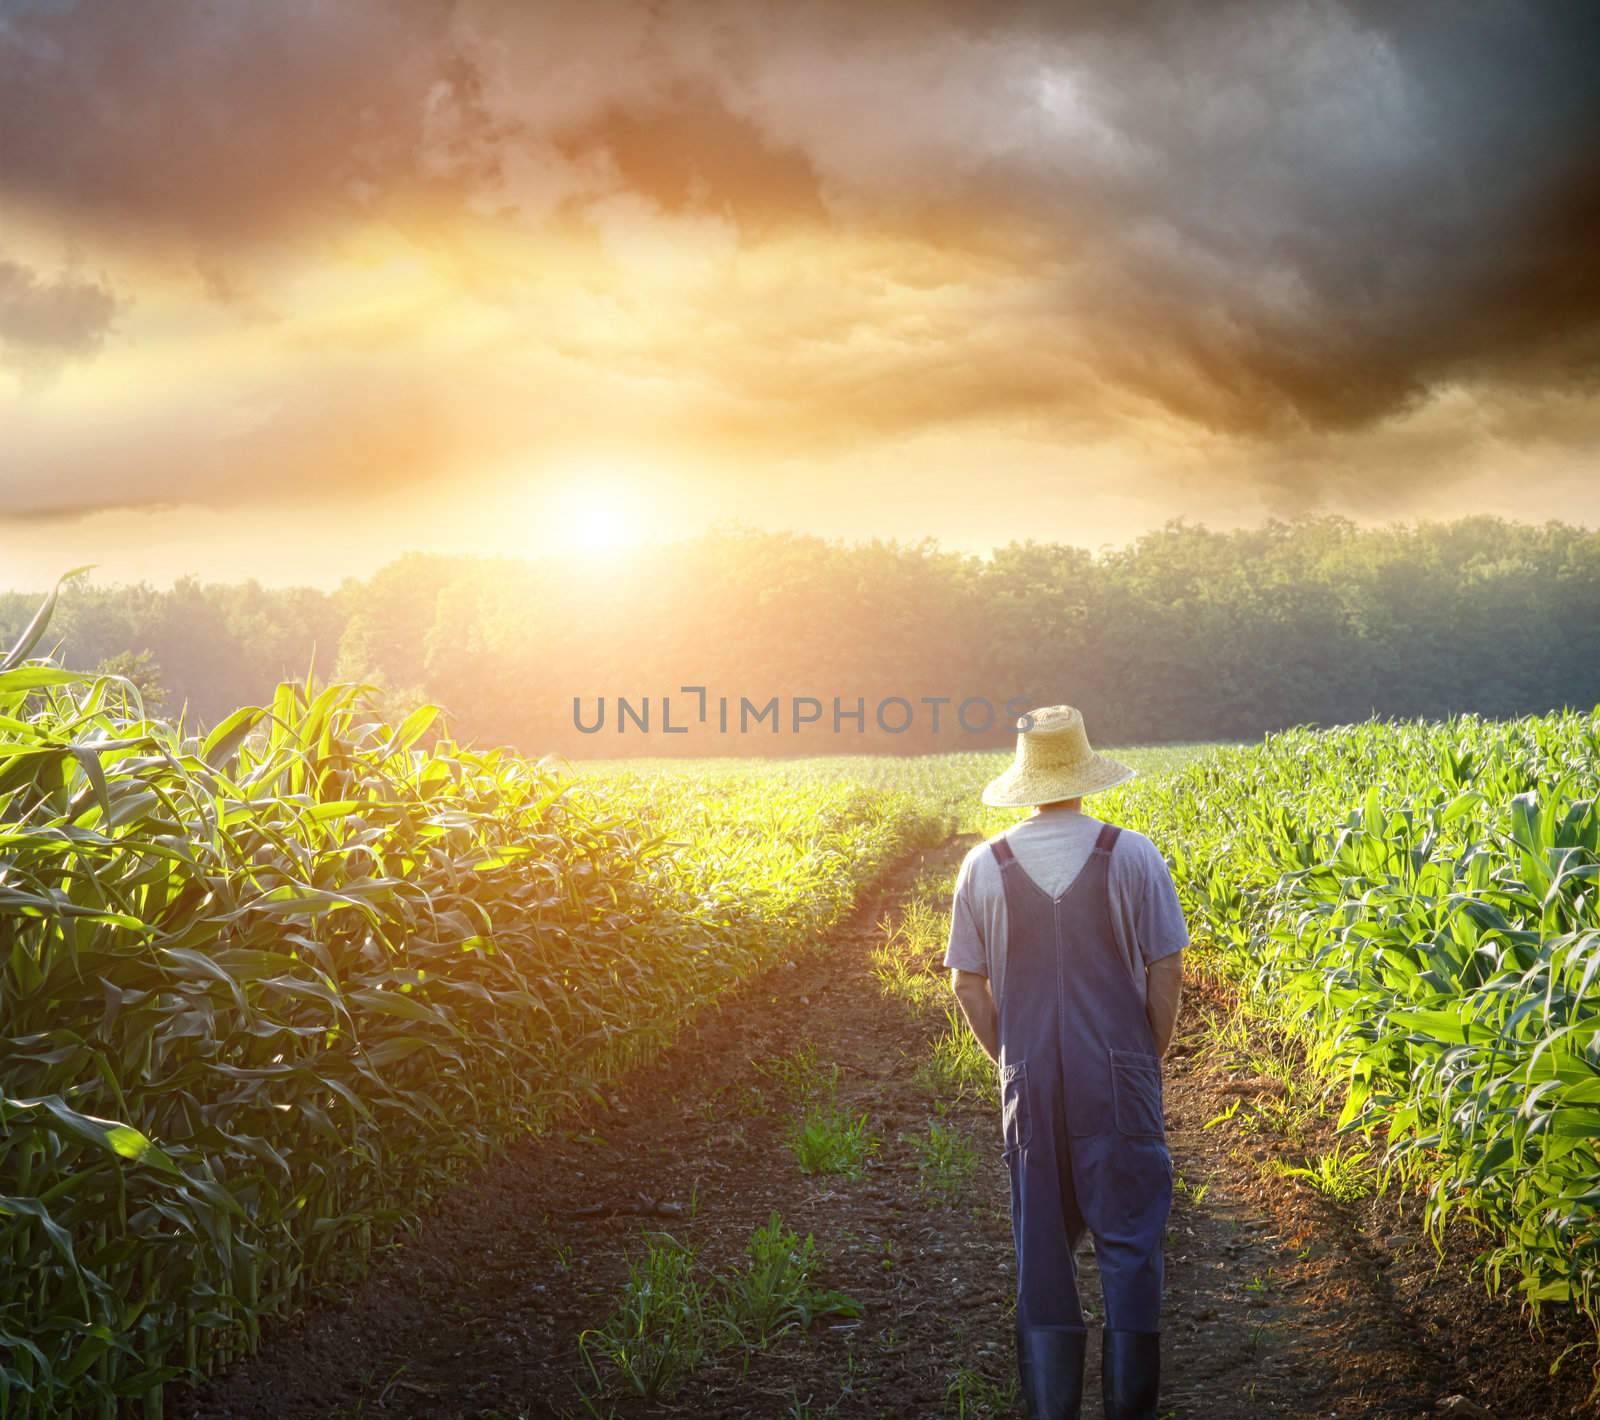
(1274, 1306)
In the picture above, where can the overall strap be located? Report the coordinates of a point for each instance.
(1002, 853)
(1107, 839)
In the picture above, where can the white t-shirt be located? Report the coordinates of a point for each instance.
(1052, 847)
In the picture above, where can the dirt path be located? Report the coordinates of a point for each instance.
(1278, 1301)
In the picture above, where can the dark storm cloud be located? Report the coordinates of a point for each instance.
(227, 122)
(1268, 221)
(1355, 205)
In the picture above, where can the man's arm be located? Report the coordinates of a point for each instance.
(967, 957)
(1161, 933)
(1163, 987)
(977, 1005)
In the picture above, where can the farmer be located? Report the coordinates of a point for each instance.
(1066, 942)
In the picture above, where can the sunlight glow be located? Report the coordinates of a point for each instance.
(596, 514)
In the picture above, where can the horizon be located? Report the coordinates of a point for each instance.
(589, 561)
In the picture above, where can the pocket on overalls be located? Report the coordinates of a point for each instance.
(1016, 1123)
(1136, 1093)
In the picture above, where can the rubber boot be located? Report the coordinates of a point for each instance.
(1130, 1373)
(1050, 1366)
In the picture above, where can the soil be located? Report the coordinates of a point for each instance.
(1279, 1302)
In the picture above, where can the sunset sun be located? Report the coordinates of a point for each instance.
(597, 514)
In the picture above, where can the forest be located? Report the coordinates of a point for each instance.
(1188, 633)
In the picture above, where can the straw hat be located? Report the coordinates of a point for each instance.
(1053, 762)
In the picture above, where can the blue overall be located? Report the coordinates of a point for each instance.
(1081, 1103)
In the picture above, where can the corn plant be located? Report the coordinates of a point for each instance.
(1417, 904)
(266, 988)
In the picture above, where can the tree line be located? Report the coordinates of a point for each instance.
(1186, 633)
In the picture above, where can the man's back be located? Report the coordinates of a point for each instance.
(1052, 846)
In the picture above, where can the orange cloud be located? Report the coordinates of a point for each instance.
(372, 245)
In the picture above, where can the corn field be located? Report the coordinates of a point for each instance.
(1418, 902)
(264, 992)
(267, 990)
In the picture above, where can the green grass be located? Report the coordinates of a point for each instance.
(957, 1066)
(828, 1140)
(800, 1077)
(908, 962)
(776, 1292)
(946, 1161)
(976, 1396)
(663, 1325)
(1344, 1174)
(823, 1138)
(672, 1314)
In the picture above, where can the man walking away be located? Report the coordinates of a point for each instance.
(1066, 944)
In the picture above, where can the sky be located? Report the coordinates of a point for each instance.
(288, 289)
